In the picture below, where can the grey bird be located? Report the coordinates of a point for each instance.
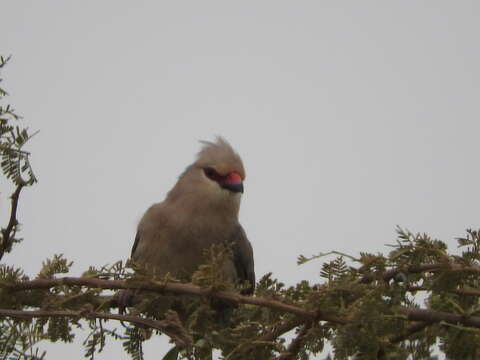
(201, 210)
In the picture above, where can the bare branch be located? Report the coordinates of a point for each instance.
(437, 316)
(9, 232)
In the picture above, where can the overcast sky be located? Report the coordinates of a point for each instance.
(351, 117)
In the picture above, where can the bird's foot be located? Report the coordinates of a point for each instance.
(124, 299)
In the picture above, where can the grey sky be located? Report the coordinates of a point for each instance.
(351, 117)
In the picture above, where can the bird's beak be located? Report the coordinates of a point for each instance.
(236, 187)
(233, 182)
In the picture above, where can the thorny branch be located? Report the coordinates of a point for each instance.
(8, 233)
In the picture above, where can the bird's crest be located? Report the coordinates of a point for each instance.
(219, 152)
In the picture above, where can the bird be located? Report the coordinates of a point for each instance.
(200, 210)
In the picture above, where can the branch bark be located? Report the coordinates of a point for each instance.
(9, 232)
(460, 291)
(437, 316)
(173, 288)
(302, 317)
(190, 289)
(415, 269)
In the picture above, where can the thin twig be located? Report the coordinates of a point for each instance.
(170, 326)
(269, 337)
(9, 232)
(409, 331)
(415, 269)
(461, 291)
(18, 151)
(296, 344)
(281, 329)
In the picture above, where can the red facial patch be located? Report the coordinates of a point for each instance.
(233, 178)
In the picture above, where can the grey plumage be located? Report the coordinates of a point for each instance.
(201, 210)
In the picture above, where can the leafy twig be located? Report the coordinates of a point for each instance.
(296, 344)
(170, 326)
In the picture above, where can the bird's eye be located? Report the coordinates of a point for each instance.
(212, 174)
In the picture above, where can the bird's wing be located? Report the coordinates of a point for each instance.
(135, 244)
(243, 258)
(147, 226)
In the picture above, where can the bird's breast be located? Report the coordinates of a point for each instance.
(179, 248)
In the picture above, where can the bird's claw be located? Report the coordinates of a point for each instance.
(124, 299)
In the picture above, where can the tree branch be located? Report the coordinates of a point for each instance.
(415, 269)
(467, 291)
(173, 288)
(409, 331)
(190, 289)
(272, 335)
(174, 329)
(281, 329)
(461, 291)
(296, 344)
(437, 316)
(9, 232)
(171, 326)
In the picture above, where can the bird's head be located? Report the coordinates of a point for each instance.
(216, 176)
(227, 180)
(221, 168)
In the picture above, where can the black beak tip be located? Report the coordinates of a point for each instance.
(235, 188)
